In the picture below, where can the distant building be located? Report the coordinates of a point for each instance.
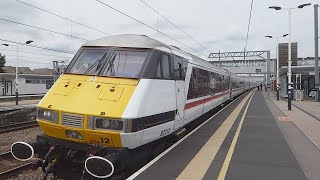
(37, 81)
(22, 70)
(44, 71)
(283, 54)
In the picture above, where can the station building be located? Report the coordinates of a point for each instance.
(303, 77)
(37, 81)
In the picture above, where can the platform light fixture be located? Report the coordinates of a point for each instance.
(277, 52)
(316, 54)
(303, 5)
(289, 48)
(275, 7)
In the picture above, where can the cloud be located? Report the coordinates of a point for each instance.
(217, 25)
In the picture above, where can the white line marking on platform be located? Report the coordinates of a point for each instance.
(174, 145)
(200, 163)
(226, 163)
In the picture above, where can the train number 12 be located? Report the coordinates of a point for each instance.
(105, 140)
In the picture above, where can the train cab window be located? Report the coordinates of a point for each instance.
(163, 68)
(125, 64)
(88, 62)
(180, 68)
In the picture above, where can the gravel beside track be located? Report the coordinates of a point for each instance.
(26, 135)
(29, 175)
(9, 163)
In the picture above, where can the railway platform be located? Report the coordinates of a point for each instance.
(21, 97)
(10, 105)
(254, 137)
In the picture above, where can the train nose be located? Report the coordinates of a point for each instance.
(22, 151)
(99, 167)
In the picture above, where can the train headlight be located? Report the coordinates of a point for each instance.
(73, 134)
(104, 123)
(49, 115)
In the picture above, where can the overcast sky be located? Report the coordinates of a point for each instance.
(216, 24)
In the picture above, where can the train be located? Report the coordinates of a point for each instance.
(119, 94)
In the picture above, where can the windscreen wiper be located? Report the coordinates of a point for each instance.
(99, 61)
(110, 64)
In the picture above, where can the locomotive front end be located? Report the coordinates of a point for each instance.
(81, 119)
(81, 115)
(98, 111)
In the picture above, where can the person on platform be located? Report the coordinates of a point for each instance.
(266, 87)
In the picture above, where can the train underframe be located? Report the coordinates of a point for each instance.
(66, 160)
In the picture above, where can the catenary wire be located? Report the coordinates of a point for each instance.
(44, 58)
(57, 15)
(43, 29)
(25, 61)
(247, 36)
(150, 27)
(174, 25)
(249, 23)
(26, 52)
(39, 47)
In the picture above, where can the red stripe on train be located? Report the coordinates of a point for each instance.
(202, 101)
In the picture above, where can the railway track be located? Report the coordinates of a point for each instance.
(15, 170)
(18, 126)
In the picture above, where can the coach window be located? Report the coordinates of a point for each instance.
(195, 89)
(206, 82)
(185, 68)
(213, 83)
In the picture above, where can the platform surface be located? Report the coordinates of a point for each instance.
(10, 105)
(252, 138)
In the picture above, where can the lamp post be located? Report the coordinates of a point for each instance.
(289, 49)
(316, 54)
(16, 82)
(277, 52)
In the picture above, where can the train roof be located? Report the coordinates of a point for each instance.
(127, 40)
(143, 41)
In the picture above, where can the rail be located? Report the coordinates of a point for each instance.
(18, 126)
(13, 171)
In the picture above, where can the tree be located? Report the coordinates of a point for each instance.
(2, 62)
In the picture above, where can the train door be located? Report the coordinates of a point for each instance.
(8, 88)
(179, 71)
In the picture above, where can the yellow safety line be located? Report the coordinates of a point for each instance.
(199, 165)
(226, 162)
